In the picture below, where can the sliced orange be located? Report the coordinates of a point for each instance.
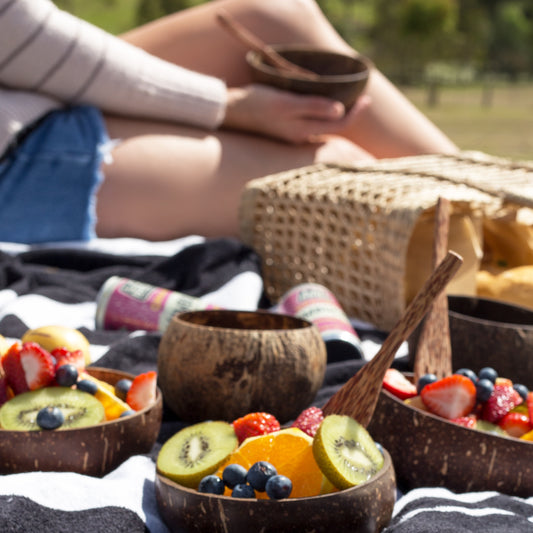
(113, 405)
(290, 450)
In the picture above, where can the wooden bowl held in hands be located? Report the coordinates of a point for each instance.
(367, 507)
(221, 364)
(340, 77)
(91, 450)
(429, 451)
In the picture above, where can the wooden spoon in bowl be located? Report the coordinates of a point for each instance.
(268, 54)
(359, 395)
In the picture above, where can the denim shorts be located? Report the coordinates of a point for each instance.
(49, 180)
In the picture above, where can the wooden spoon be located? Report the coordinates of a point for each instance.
(359, 395)
(433, 350)
(267, 52)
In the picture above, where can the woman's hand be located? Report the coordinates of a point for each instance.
(284, 115)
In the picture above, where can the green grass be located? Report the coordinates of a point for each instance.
(505, 128)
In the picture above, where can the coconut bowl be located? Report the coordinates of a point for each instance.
(92, 450)
(429, 451)
(367, 507)
(220, 364)
(340, 77)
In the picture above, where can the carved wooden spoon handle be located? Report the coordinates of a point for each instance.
(434, 351)
(359, 395)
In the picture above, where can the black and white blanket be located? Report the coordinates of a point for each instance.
(51, 284)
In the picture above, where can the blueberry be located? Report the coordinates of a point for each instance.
(233, 475)
(122, 386)
(278, 487)
(484, 388)
(126, 413)
(86, 385)
(259, 473)
(522, 390)
(211, 484)
(424, 380)
(488, 373)
(50, 418)
(470, 374)
(243, 490)
(66, 375)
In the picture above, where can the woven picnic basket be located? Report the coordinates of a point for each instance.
(349, 227)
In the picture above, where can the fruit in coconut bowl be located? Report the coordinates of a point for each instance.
(321, 473)
(466, 431)
(56, 414)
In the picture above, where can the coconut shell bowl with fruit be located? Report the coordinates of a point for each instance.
(431, 451)
(221, 364)
(93, 450)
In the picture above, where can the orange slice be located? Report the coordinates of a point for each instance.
(113, 405)
(290, 450)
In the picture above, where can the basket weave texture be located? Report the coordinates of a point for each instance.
(348, 227)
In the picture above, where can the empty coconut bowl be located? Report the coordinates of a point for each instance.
(367, 507)
(429, 451)
(486, 332)
(221, 364)
(340, 77)
(92, 450)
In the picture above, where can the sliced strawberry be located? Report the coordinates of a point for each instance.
(13, 370)
(501, 401)
(529, 403)
(396, 383)
(450, 397)
(64, 357)
(38, 365)
(254, 424)
(143, 391)
(515, 423)
(309, 420)
(4, 394)
(466, 421)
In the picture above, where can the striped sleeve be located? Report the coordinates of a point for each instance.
(49, 51)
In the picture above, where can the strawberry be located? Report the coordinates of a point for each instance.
(501, 401)
(38, 365)
(143, 391)
(396, 383)
(64, 356)
(309, 420)
(13, 370)
(254, 424)
(450, 397)
(468, 421)
(529, 403)
(515, 423)
(4, 394)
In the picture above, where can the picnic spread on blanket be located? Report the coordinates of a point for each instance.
(334, 283)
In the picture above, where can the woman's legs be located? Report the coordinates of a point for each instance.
(167, 181)
(389, 127)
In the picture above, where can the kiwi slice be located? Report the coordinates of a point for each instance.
(79, 409)
(196, 451)
(345, 451)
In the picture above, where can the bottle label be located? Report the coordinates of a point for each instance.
(128, 304)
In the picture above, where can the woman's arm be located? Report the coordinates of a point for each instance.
(49, 51)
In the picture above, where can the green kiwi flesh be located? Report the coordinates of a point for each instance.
(196, 451)
(345, 451)
(79, 408)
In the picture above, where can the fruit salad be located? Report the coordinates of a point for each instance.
(52, 390)
(253, 457)
(484, 401)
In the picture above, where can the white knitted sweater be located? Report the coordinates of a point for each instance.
(49, 58)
